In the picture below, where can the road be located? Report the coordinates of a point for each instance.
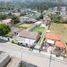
(30, 56)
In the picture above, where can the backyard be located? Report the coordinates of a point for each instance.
(39, 29)
(42, 30)
(60, 29)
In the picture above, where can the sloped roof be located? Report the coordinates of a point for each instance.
(53, 36)
(29, 34)
(60, 44)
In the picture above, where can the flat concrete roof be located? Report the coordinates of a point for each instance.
(14, 62)
(4, 58)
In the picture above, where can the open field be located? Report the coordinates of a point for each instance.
(24, 26)
(60, 29)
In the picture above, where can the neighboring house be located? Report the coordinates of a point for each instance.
(16, 14)
(4, 38)
(6, 21)
(15, 30)
(4, 59)
(63, 12)
(27, 19)
(60, 44)
(27, 37)
(51, 38)
(46, 21)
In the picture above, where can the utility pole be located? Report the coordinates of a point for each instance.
(50, 59)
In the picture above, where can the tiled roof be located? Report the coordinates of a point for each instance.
(53, 36)
(60, 44)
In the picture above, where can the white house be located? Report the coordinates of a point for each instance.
(27, 37)
(6, 21)
(27, 19)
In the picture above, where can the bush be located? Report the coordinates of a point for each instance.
(4, 29)
(13, 42)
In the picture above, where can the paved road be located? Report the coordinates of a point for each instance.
(30, 56)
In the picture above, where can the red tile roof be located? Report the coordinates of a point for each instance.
(53, 36)
(60, 44)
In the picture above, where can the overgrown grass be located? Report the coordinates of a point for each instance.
(24, 26)
(39, 29)
(9, 35)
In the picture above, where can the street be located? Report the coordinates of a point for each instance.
(32, 57)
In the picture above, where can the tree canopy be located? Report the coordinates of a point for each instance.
(4, 29)
(15, 20)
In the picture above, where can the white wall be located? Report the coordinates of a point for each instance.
(25, 40)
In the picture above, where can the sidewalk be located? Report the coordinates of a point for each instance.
(47, 54)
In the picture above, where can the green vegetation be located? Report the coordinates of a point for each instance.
(39, 29)
(14, 42)
(2, 17)
(9, 35)
(24, 26)
(40, 17)
(56, 18)
(4, 29)
(15, 20)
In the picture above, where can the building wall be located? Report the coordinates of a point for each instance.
(4, 59)
(26, 40)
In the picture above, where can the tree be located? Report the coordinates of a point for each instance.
(2, 17)
(4, 29)
(15, 20)
(40, 17)
(55, 18)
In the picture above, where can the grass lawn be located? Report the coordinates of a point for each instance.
(39, 29)
(24, 26)
(9, 35)
(61, 29)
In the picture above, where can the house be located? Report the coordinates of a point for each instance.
(16, 14)
(15, 30)
(59, 49)
(52, 37)
(27, 19)
(14, 62)
(27, 37)
(6, 21)
(46, 21)
(4, 59)
(9, 61)
(63, 11)
(60, 44)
